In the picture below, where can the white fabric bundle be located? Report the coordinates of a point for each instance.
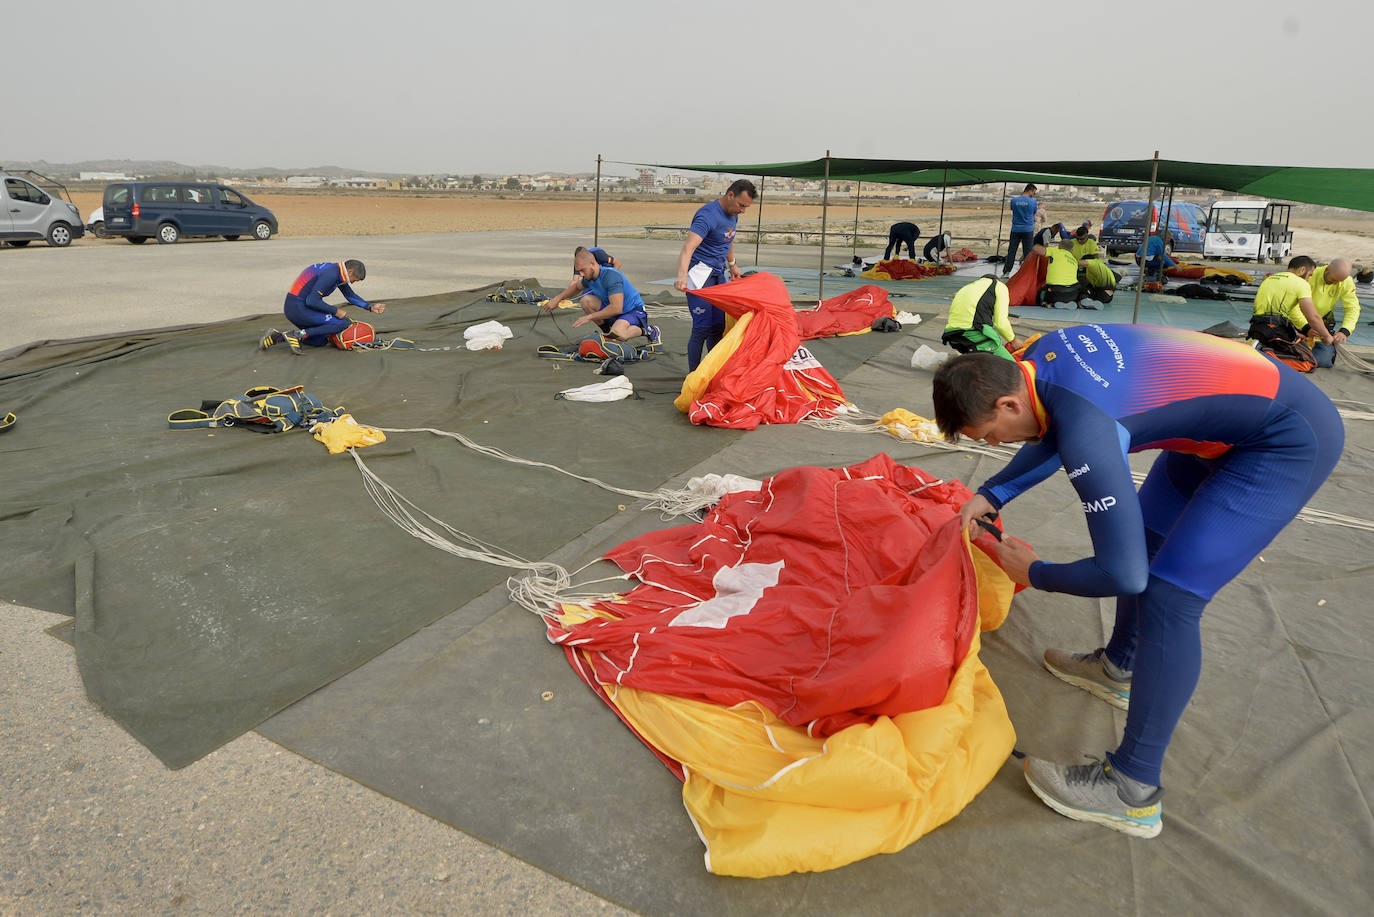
(487, 336)
(612, 389)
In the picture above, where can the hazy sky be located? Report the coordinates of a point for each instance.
(488, 86)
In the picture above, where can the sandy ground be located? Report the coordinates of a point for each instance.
(1319, 232)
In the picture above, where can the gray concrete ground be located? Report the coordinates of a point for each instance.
(89, 820)
(108, 286)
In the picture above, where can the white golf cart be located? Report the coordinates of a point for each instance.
(1248, 231)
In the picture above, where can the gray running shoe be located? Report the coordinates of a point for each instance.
(1097, 793)
(1088, 671)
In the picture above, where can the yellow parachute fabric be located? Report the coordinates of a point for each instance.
(767, 799)
(710, 364)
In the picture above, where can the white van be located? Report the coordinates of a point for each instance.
(1248, 230)
(28, 213)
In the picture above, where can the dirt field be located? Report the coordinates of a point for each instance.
(1324, 234)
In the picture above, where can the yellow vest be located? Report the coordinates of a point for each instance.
(1063, 268)
(1279, 293)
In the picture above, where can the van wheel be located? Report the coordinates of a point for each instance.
(98, 230)
(137, 240)
(59, 235)
(167, 233)
(262, 230)
(232, 238)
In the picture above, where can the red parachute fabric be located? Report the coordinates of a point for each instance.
(768, 377)
(856, 310)
(1187, 271)
(1025, 284)
(963, 255)
(829, 597)
(898, 269)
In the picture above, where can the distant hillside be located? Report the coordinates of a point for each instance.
(163, 168)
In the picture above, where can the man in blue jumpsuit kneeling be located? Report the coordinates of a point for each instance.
(315, 319)
(1246, 444)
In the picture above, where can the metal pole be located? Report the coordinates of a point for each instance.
(1169, 209)
(1149, 202)
(943, 182)
(858, 193)
(825, 201)
(1000, 214)
(758, 231)
(596, 230)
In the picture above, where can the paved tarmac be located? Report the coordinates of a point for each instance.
(105, 286)
(89, 820)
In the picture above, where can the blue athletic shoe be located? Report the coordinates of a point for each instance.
(1097, 793)
(653, 334)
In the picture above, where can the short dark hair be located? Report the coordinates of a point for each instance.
(356, 268)
(966, 389)
(1300, 262)
(742, 186)
(1029, 188)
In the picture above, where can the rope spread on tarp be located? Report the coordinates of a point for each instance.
(546, 586)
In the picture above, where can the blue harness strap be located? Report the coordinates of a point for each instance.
(8, 421)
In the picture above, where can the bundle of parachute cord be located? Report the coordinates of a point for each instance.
(542, 586)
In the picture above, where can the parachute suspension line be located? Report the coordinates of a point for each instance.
(668, 502)
(515, 459)
(545, 585)
(858, 421)
(1349, 360)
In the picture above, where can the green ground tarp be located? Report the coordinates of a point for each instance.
(1333, 187)
(218, 575)
(1268, 779)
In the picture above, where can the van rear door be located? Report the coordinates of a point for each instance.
(118, 204)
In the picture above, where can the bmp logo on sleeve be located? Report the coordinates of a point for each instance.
(1096, 506)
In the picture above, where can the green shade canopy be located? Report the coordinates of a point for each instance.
(1352, 188)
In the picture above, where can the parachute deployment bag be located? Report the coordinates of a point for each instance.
(355, 334)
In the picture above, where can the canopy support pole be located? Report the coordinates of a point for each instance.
(1169, 210)
(944, 181)
(1000, 214)
(858, 193)
(1149, 202)
(596, 228)
(825, 201)
(758, 227)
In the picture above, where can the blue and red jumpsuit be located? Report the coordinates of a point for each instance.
(305, 306)
(1246, 442)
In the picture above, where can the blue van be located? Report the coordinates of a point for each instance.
(1123, 226)
(168, 210)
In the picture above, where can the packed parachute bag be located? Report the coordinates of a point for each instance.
(1198, 291)
(1276, 336)
(263, 409)
(598, 347)
(8, 421)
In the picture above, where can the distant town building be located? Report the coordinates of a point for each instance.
(103, 176)
(304, 181)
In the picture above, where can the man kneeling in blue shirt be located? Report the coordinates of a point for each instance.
(609, 300)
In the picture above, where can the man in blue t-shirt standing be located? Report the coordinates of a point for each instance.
(608, 299)
(1023, 208)
(706, 256)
